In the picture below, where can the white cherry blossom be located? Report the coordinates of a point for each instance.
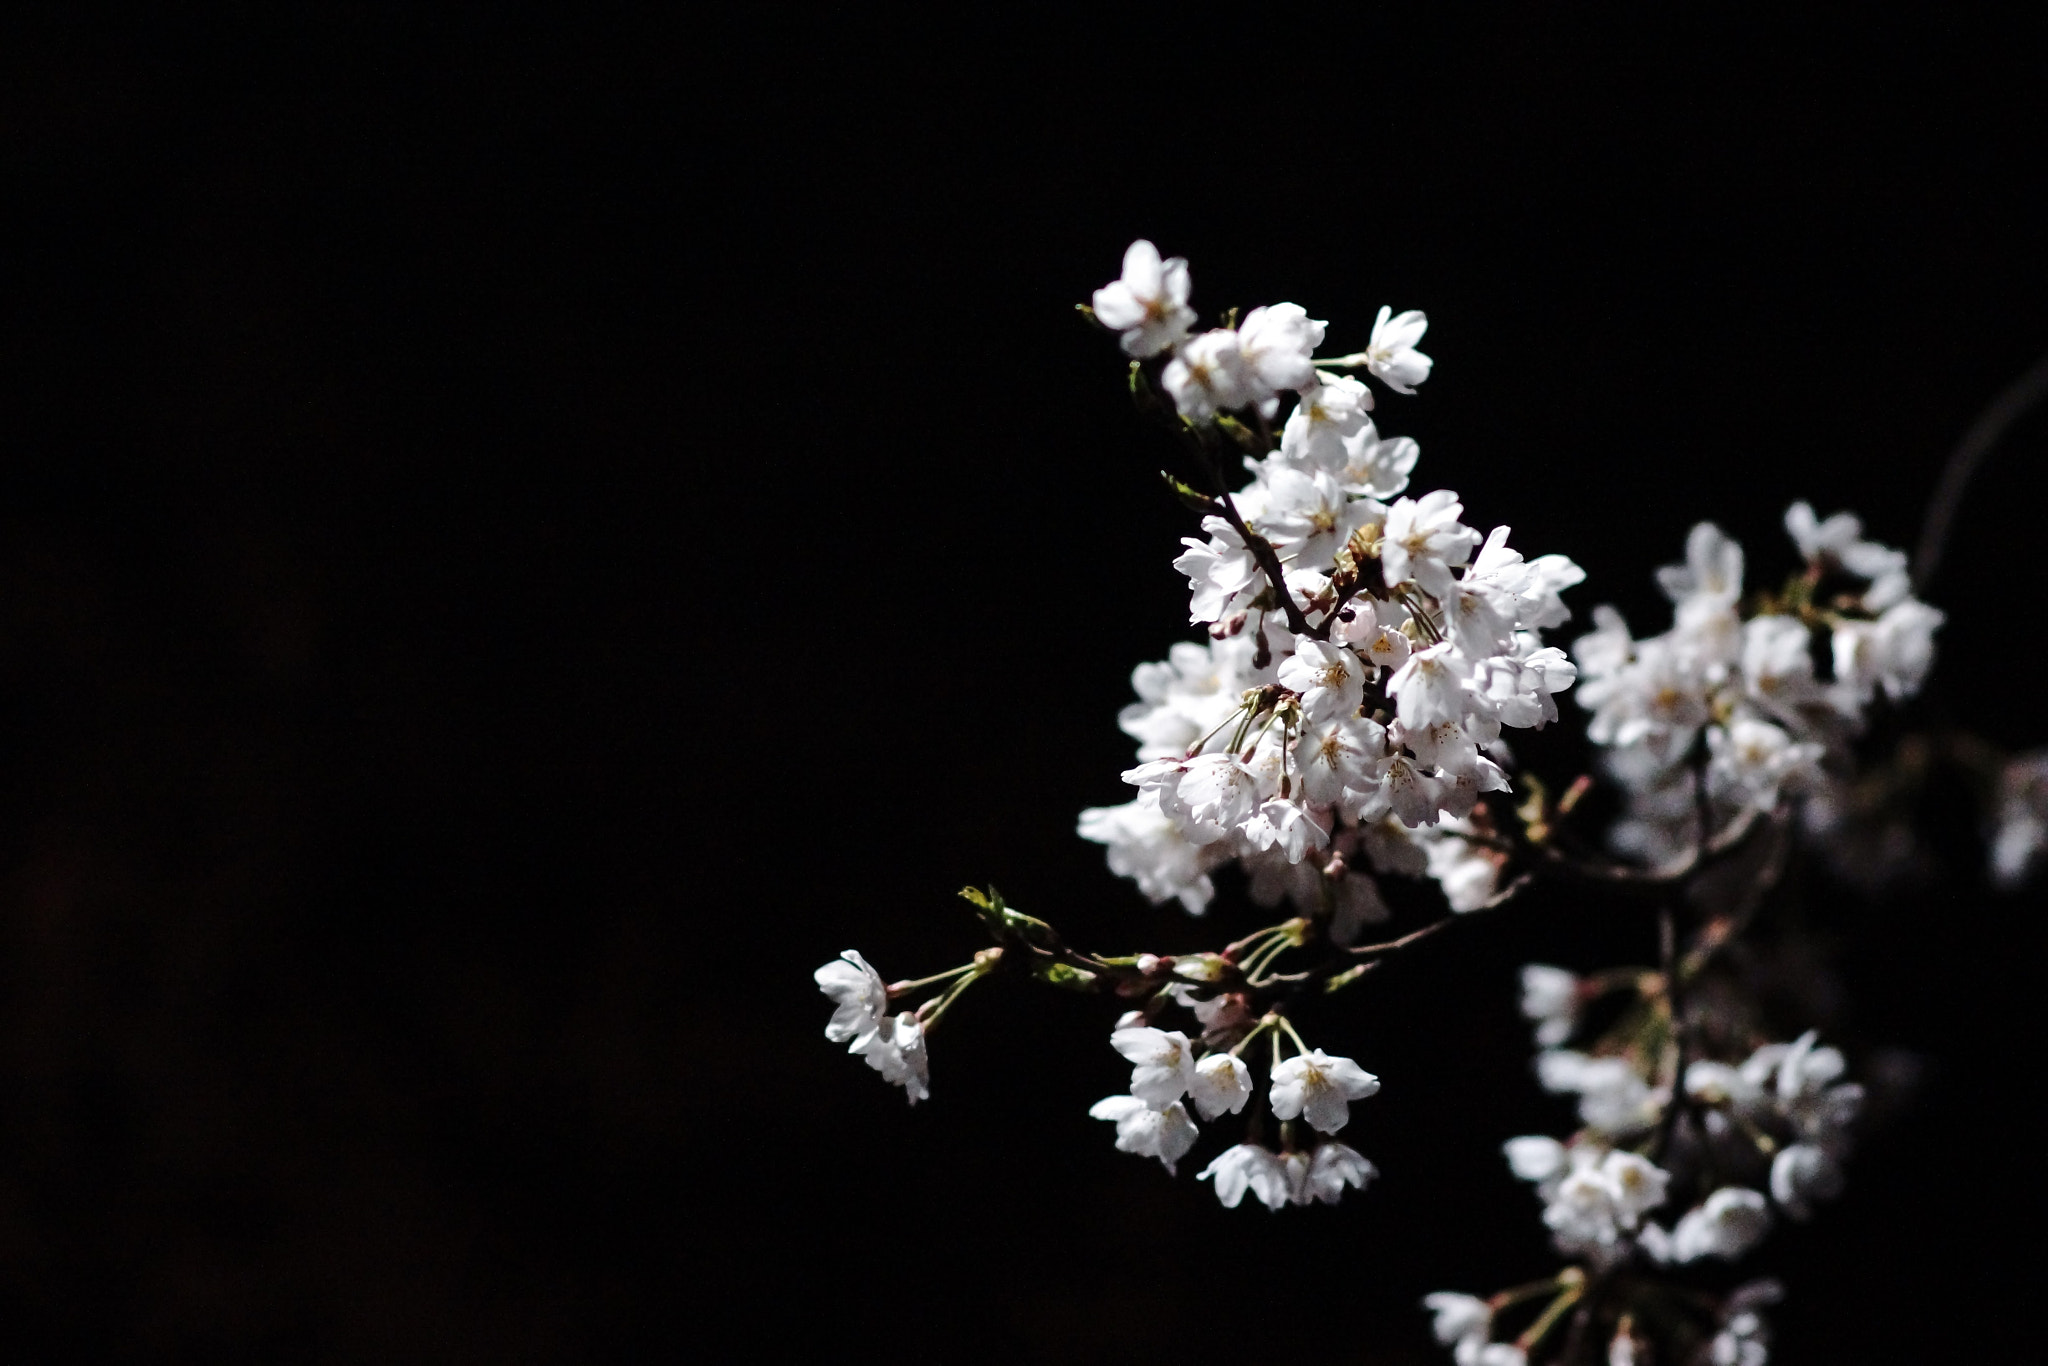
(1320, 1088)
(1550, 998)
(860, 999)
(1207, 374)
(1163, 1063)
(1275, 344)
(1334, 1167)
(1247, 1167)
(1332, 415)
(897, 1052)
(1330, 679)
(1727, 1225)
(1149, 303)
(1391, 354)
(1221, 1085)
(1141, 1130)
(1423, 540)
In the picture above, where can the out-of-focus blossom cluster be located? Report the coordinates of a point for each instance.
(1749, 695)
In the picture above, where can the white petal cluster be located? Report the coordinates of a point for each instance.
(1550, 998)
(1745, 1339)
(1792, 1093)
(1167, 1075)
(1593, 1197)
(1727, 1224)
(1294, 1177)
(2020, 836)
(892, 1044)
(1166, 1133)
(1761, 693)
(1614, 1099)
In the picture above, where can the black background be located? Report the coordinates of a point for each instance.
(520, 539)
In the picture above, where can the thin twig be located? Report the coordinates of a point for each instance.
(2004, 410)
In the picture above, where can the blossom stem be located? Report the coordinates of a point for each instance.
(903, 988)
(1550, 1316)
(1269, 561)
(1261, 1027)
(1288, 1025)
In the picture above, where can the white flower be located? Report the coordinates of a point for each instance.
(1840, 538)
(1276, 343)
(1777, 663)
(2021, 834)
(1289, 828)
(1218, 790)
(1223, 574)
(1221, 1084)
(897, 1052)
(1458, 1317)
(1808, 1067)
(1330, 679)
(1146, 846)
(1376, 468)
(1751, 759)
(1165, 1134)
(1423, 540)
(1550, 997)
(1323, 426)
(1536, 1157)
(1466, 872)
(1334, 1167)
(1582, 1208)
(1639, 1185)
(1716, 1083)
(1163, 1063)
(1309, 517)
(1802, 1173)
(1430, 688)
(1207, 374)
(1500, 1354)
(1479, 618)
(1149, 305)
(1320, 1088)
(1415, 796)
(1893, 653)
(1733, 1220)
(1712, 568)
(1342, 761)
(1375, 631)
(1247, 1167)
(1612, 1097)
(1391, 354)
(860, 999)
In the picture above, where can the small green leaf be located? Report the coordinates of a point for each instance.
(1063, 975)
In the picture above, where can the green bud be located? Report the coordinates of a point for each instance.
(1063, 975)
(1345, 978)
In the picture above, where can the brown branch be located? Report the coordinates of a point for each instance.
(1269, 561)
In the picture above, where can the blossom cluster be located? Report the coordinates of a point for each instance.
(1749, 1140)
(892, 1044)
(1169, 1070)
(1365, 648)
(1749, 696)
